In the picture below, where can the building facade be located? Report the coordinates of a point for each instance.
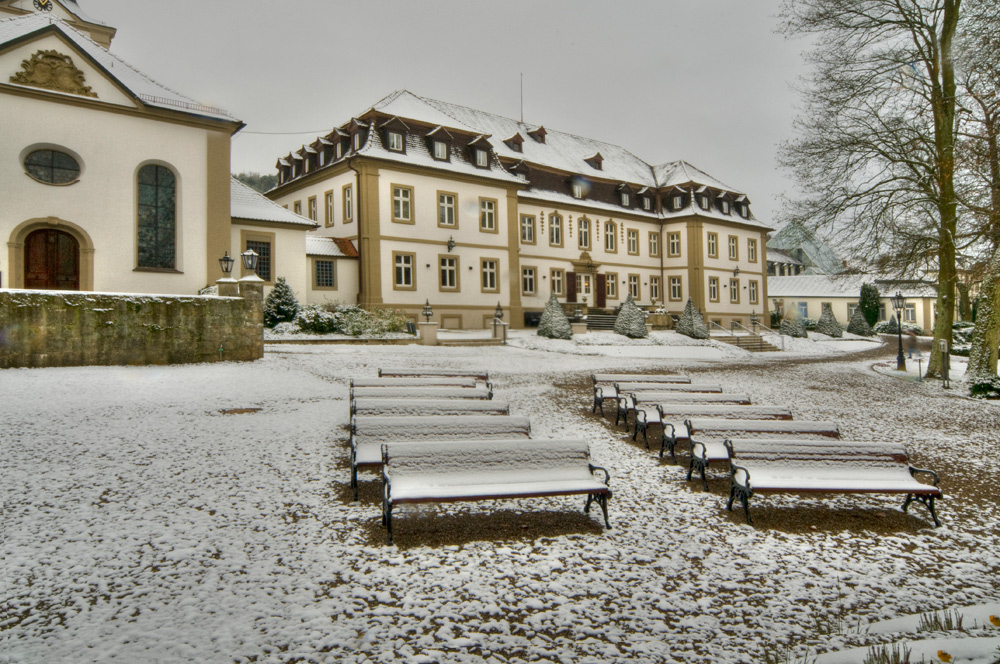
(466, 210)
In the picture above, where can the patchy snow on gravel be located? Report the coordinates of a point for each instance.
(203, 513)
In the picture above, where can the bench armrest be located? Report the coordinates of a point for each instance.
(598, 392)
(739, 475)
(640, 415)
(698, 449)
(607, 475)
(667, 425)
(934, 476)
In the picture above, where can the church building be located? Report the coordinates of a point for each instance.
(463, 209)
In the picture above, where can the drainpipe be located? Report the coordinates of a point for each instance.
(357, 213)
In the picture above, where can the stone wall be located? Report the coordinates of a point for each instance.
(59, 329)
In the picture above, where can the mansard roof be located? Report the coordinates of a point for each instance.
(144, 90)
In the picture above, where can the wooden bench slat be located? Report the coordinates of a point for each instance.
(376, 406)
(723, 425)
(653, 396)
(422, 392)
(638, 378)
(624, 388)
(429, 381)
(424, 373)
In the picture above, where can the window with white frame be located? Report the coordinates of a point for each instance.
(584, 284)
(611, 285)
(313, 212)
(803, 309)
(677, 202)
(577, 190)
(713, 245)
(440, 150)
(713, 289)
(489, 275)
(527, 229)
(633, 286)
(647, 203)
(734, 248)
(555, 230)
(357, 141)
(402, 201)
(610, 240)
(851, 308)
(557, 281)
(675, 289)
(348, 203)
(654, 288)
(632, 237)
(482, 158)
(446, 209)
(754, 297)
(328, 205)
(528, 280)
(752, 250)
(724, 205)
(910, 313)
(404, 271)
(654, 243)
(626, 198)
(325, 274)
(734, 290)
(449, 273)
(487, 215)
(395, 141)
(583, 236)
(673, 244)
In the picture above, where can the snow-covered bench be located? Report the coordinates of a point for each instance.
(368, 433)
(428, 381)
(627, 395)
(424, 373)
(610, 378)
(422, 392)
(436, 472)
(674, 414)
(617, 391)
(811, 466)
(706, 451)
(375, 406)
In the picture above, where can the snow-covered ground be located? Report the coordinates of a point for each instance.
(202, 513)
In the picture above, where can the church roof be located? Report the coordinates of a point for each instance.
(144, 89)
(247, 203)
(805, 245)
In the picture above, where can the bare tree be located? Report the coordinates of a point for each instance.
(874, 149)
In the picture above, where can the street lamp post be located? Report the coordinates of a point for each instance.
(897, 303)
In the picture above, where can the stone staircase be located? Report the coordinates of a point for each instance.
(470, 342)
(601, 321)
(753, 344)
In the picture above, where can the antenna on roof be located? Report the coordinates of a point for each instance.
(522, 97)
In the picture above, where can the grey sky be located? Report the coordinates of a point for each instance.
(707, 81)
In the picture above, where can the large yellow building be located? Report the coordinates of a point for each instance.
(465, 209)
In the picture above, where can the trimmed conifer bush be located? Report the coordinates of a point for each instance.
(630, 321)
(691, 323)
(792, 326)
(553, 323)
(281, 305)
(859, 324)
(827, 324)
(869, 301)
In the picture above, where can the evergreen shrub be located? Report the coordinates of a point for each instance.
(828, 325)
(859, 324)
(280, 305)
(691, 323)
(631, 321)
(553, 323)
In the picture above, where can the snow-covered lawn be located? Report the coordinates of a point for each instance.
(202, 513)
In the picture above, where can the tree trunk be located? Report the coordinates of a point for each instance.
(986, 336)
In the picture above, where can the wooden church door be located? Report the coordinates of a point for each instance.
(51, 260)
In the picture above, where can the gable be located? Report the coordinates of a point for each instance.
(50, 62)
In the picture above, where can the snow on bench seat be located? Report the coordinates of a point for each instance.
(638, 378)
(706, 451)
(422, 392)
(656, 396)
(812, 466)
(430, 381)
(616, 391)
(437, 471)
(369, 432)
(424, 373)
(375, 406)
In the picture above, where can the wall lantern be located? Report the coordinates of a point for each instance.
(249, 258)
(736, 272)
(428, 311)
(451, 243)
(499, 311)
(226, 263)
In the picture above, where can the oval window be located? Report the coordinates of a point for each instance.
(52, 167)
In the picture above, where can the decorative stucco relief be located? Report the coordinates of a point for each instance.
(52, 70)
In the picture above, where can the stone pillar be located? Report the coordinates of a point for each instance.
(578, 328)
(251, 289)
(228, 287)
(428, 334)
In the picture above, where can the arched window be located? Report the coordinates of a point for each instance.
(157, 227)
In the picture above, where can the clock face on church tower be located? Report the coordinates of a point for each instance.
(43, 5)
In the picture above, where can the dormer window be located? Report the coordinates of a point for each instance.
(626, 198)
(538, 134)
(440, 150)
(677, 202)
(744, 210)
(724, 206)
(395, 142)
(647, 204)
(703, 202)
(338, 150)
(482, 158)
(514, 143)
(577, 190)
(357, 141)
(596, 161)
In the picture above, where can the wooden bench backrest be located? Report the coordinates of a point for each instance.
(431, 381)
(722, 426)
(400, 407)
(638, 378)
(682, 410)
(503, 456)
(815, 451)
(654, 396)
(422, 392)
(425, 373)
(667, 387)
(377, 428)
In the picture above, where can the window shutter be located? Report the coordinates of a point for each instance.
(601, 296)
(571, 286)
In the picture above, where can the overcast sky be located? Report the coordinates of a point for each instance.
(707, 81)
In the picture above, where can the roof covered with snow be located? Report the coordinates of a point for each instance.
(823, 285)
(247, 203)
(334, 247)
(810, 249)
(143, 89)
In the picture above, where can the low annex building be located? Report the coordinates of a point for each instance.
(466, 209)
